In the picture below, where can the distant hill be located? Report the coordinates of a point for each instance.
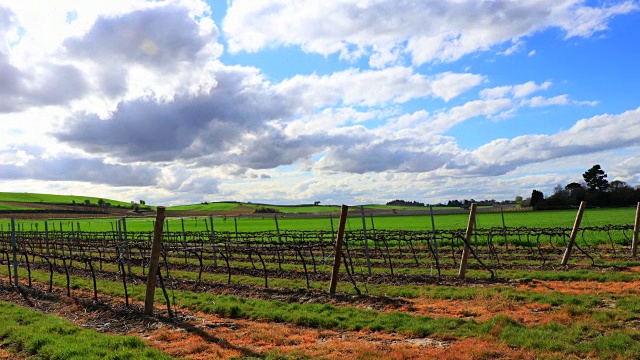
(56, 199)
(34, 205)
(246, 207)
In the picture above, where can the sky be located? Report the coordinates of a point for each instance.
(291, 102)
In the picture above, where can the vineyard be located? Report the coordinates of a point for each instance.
(388, 282)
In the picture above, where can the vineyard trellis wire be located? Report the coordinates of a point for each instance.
(307, 253)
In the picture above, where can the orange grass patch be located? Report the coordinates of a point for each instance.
(5, 354)
(482, 309)
(582, 287)
(237, 338)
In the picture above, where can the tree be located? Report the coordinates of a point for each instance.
(596, 179)
(617, 185)
(87, 202)
(575, 193)
(100, 202)
(519, 200)
(537, 198)
(621, 194)
(573, 186)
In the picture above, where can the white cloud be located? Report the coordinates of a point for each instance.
(515, 91)
(599, 133)
(522, 90)
(539, 101)
(375, 87)
(426, 32)
(132, 98)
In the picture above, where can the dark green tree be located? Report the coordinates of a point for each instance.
(596, 179)
(537, 198)
(575, 193)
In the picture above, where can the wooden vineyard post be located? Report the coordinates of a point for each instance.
(213, 242)
(336, 263)
(184, 240)
(636, 228)
(279, 253)
(46, 238)
(235, 225)
(155, 260)
(434, 241)
(126, 244)
(504, 229)
(467, 242)
(366, 241)
(15, 252)
(574, 233)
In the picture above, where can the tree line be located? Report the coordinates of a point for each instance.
(594, 188)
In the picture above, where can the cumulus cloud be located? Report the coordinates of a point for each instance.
(389, 155)
(184, 128)
(425, 32)
(159, 37)
(596, 134)
(520, 94)
(375, 87)
(40, 85)
(73, 168)
(138, 95)
(539, 101)
(515, 91)
(159, 50)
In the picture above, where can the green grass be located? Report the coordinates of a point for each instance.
(57, 199)
(555, 218)
(303, 208)
(228, 206)
(5, 207)
(594, 332)
(49, 337)
(212, 206)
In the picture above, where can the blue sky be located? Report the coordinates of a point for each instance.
(349, 101)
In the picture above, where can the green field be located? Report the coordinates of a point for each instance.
(55, 199)
(292, 209)
(229, 206)
(552, 218)
(5, 207)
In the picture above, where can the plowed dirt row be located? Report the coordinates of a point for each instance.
(195, 335)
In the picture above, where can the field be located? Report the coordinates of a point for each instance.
(255, 292)
(55, 199)
(266, 222)
(5, 207)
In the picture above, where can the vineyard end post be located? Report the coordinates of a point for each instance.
(155, 260)
(15, 252)
(467, 242)
(636, 228)
(574, 233)
(213, 242)
(336, 263)
(366, 241)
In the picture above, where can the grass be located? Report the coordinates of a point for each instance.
(6, 207)
(554, 218)
(56, 199)
(49, 337)
(592, 332)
